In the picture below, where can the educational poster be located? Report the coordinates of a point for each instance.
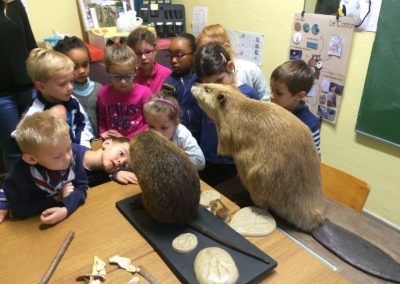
(102, 13)
(324, 43)
(248, 46)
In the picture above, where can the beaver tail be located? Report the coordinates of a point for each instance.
(357, 252)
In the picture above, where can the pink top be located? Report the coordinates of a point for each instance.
(154, 82)
(122, 111)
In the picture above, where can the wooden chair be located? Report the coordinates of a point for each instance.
(343, 187)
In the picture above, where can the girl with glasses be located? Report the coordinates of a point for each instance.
(120, 104)
(148, 73)
(181, 54)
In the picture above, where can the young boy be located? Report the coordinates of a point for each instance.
(53, 74)
(290, 83)
(49, 179)
(109, 162)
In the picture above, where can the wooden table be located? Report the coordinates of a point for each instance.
(27, 249)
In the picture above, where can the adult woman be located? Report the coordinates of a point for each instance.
(15, 86)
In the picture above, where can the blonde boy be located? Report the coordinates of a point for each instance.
(53, 73)
(290, 82)
(49, 179)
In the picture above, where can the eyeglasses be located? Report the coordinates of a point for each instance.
(126, 77)
(146, 52)
(178, 55)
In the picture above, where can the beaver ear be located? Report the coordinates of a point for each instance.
(221, 99)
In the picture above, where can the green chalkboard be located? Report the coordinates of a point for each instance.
(379, 113)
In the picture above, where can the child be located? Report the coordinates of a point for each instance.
(49, 179)
(246, 71)
(181, 54)
(290, 83)
(213, 64)
(120, 104)
(52, 73)
(149, 73)
(111, 158)
(85, 90)
(162, 115)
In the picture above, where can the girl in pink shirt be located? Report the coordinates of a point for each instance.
(149, 72)
(120, 104)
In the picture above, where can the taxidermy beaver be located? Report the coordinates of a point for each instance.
(169, 181)
(278, 164)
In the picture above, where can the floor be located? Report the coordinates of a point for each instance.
(374, 231)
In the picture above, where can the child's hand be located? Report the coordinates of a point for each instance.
(111, 133)
(67, 189)
(53, 215)
(126, 177)
(3, 214)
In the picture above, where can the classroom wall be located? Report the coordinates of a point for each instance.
(370, 160)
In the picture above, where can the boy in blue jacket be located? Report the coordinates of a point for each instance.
(49, 179)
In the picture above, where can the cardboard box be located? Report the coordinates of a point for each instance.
(98, 37)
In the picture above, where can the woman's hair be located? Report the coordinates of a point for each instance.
(119, 54)
(43, 63)
(211, 59)
(190, 38)
(162, 103)
(39, 130)
(215, 33)
(67, 43)
(141, 34)
(295, 74)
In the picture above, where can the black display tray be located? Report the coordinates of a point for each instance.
(160, 237)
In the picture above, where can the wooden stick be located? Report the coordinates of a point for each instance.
(57, 258)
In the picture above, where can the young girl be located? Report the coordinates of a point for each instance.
(162, 114)
(213, 64)
(181, 54)
(246, 71)
(149, 72)
(85, 90)
(120, 104)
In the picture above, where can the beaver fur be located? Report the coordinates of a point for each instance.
(169, 181)
(274, 152)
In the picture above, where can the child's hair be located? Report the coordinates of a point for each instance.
(141, 34)
(211, 59)
(119, 54)
(215, 32)
(296, 75)
(67, 43)
(191, 39)
(41, 129)
(43, 63)
(162, 103)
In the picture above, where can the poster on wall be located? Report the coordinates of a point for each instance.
(324, 43)
(247, 45)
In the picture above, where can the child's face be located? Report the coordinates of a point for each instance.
(226, 78)
(55, 157)
(281, 96)
(146, 55)
(122, 77)
(59, 88)
(162, 124)
(180, 56)
(115, 155)
(82, 64)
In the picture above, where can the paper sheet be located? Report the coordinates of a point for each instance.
(200, 16)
